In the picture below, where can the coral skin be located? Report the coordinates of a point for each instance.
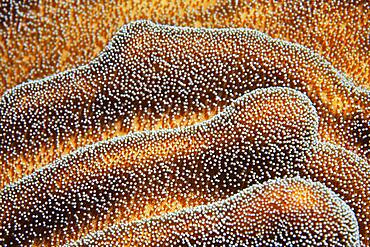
(40, 38)
(149, 173)
(73, 170)
(154, 76)
(290, 212)
(145, 174)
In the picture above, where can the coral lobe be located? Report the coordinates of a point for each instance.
(209, 134)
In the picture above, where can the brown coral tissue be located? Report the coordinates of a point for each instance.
(185, 123)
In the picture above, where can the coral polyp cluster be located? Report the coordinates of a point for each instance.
(42, 37)
(155, 76)
(185, 136)
(144, 174)
(286, 212)
(257, 138)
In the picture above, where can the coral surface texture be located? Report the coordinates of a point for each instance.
(185, 123)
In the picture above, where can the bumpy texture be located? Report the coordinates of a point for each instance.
(154, 76)
(148, 173)
(43, 37)
(346, 174)
(286, 212)
(258, 137)
(84, 159)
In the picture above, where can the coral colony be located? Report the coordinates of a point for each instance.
(211, 123)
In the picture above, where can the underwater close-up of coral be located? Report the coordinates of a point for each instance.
(184, 123)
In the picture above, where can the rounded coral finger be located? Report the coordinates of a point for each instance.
(40, 38)
(155, 76)
(257, 137)
(289, 212)
(346, 174)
